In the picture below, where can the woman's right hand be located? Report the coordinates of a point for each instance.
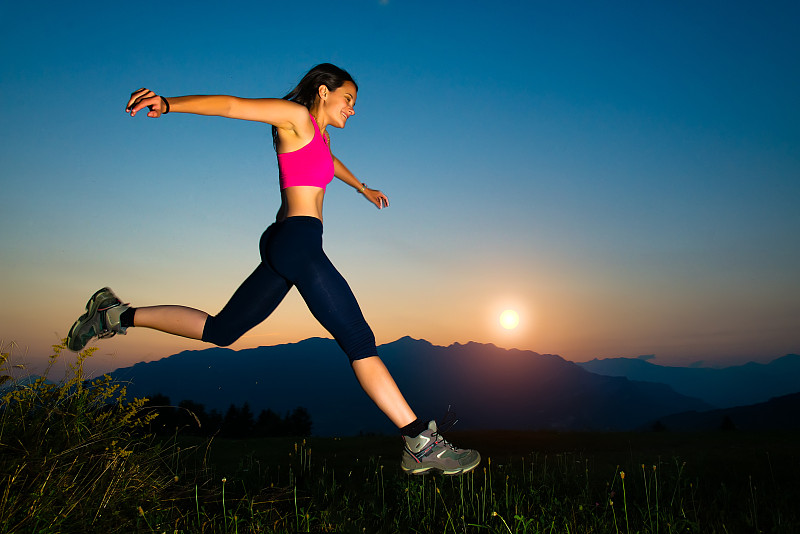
(145, 98)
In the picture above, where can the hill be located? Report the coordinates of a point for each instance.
(777, 413)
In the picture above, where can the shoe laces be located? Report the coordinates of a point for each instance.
(107, 332)
(447, 422)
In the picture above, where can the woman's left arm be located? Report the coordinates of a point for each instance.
(344, 174)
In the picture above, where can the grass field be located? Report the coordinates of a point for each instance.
(76, 457)
(528, 482)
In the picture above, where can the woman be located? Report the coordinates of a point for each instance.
(291, 254)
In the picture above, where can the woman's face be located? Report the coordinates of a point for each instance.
(339, 104)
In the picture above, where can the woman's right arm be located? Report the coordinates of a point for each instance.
(278, 112)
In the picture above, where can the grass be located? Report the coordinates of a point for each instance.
(717, 482)
(75, 459)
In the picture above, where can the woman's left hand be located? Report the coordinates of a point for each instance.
(376, 197)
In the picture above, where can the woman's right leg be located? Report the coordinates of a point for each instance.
(252, 303)
(177, 320)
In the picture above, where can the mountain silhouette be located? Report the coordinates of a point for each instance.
(490, 387)
(777, 413)
(740, 385)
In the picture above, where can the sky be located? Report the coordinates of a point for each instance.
(624, 175)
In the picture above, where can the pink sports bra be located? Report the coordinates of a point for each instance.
(309, 165)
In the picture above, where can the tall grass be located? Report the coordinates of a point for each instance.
(72, 454)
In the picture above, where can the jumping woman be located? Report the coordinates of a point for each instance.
(291, 254)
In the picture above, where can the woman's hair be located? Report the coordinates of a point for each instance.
(307, 91)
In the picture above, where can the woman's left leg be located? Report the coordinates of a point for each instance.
(296, 253)
(379, 385)
(330, 300)
(333, 304)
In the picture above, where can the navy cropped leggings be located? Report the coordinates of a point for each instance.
(291, 255)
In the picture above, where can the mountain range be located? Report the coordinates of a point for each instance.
(490, 387)
(739, 385)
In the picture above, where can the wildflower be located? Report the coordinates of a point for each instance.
(622, 475)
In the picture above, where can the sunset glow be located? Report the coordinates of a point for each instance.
(509, 319)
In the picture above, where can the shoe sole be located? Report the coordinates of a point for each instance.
(448, 472)
(92, 307)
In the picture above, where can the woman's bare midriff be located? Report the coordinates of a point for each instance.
(301, 200)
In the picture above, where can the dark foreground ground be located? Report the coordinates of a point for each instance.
(714, 482)
(775, 452)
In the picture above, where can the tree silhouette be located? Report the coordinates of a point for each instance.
(269, 424)
(299, 422)
(191, 418)
(727, 424)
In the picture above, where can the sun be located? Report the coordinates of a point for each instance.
(509, 319)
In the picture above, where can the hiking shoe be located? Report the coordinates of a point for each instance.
(430, 450)
(101, 320)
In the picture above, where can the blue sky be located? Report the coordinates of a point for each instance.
(625, 175)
